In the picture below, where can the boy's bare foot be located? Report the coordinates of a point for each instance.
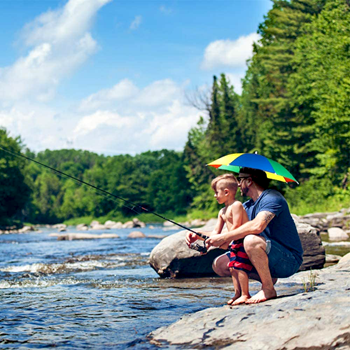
(233, 299)
(263, 295)
(241, 300)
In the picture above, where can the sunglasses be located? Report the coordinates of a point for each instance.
(240, 178)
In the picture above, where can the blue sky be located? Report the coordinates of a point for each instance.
(111, 76)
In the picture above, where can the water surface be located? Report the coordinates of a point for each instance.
(94, 294)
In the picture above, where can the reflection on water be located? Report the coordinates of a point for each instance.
(95, 294)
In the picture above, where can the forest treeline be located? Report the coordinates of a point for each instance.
(294, 108)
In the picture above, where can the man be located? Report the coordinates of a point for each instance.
(271, 239)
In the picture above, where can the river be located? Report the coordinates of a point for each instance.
(93, 294)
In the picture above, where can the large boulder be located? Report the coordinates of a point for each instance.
(314, 252)
(172, 258)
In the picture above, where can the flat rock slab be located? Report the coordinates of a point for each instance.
(318, 319)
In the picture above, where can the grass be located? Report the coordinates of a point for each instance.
(309, 284)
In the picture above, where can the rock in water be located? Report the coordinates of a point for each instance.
(136, 234)
(172, 258)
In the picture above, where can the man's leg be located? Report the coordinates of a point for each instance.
(220, 266)
(255, 247)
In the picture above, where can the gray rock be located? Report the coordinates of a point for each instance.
(99, 227)
(314, 251)
(128, 224)
(136, 234)
(109, 223)
(82, 227)
(332, 259)
(306, 320)
(26, 229)
(117, 225)
(172, 258)
(337, 234)
(137, 223)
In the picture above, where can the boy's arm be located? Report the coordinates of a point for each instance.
(219, 224)
(238, 215)
(192, 237)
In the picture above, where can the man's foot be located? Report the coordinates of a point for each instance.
(263, 295)
(240, 300)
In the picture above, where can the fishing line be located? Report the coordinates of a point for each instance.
(129, 203)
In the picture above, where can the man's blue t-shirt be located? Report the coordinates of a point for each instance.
(281, 228)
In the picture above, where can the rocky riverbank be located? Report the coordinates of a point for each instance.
(317, 318)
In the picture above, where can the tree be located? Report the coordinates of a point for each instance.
(14, 190)
(266, 100)
(321, 90)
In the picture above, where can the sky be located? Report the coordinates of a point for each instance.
(112, 76)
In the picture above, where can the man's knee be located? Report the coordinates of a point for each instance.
(253, 242)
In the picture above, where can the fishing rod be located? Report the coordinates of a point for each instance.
(133, 205)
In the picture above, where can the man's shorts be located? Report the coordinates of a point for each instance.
(282, 262)
(239, 259)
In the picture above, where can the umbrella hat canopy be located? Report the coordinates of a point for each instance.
(234, 162)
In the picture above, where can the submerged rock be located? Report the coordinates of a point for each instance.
(316, 319)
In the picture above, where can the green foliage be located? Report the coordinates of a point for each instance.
(321, 86)
(317, 195)
(14, 187)
(154, 180)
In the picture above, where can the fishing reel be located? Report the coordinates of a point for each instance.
(198, 247)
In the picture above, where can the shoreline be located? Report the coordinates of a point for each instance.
(313, 319)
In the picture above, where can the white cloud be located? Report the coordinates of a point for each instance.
(40, 127)
(107, 118)
(58, 42)
(113, 121)
(136, 22)
(229, 53)
(107, 97)
(150, 118)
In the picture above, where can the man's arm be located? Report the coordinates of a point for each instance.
(254, 227)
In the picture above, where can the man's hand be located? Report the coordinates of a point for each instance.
(190, 238)
(215, 241)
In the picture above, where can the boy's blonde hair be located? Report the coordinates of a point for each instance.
(229, 181)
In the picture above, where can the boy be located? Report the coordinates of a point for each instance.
(233, 215)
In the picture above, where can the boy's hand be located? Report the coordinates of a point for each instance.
(215, 241)
(190, 238)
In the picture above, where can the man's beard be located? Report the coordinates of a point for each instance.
(244, 191)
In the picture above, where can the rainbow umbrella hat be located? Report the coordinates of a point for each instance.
(234, 162)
